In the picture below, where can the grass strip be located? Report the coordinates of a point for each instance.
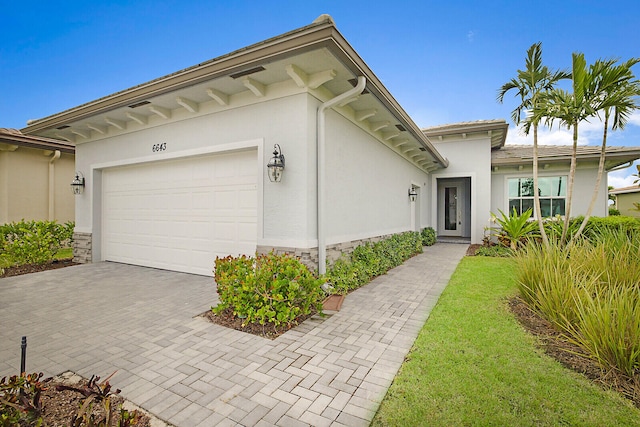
(473, 365)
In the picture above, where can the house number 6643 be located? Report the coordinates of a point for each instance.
(159, 147)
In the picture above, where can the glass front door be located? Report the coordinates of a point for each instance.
(451, 209)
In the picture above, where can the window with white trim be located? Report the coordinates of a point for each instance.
(551, 189)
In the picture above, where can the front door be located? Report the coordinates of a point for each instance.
(450, 209)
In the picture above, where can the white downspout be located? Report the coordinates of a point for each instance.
(52, 186)
(322, 246)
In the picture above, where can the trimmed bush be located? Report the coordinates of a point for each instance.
(428, 236)
(33, 242)
(371, 260)
(270, 288)
(494, 251)
(595, 226)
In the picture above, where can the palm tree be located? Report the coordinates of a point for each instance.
(570, 108)
(614, 92)
(530, 83)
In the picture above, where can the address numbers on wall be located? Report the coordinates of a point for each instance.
(159, 147)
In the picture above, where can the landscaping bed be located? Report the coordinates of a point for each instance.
(227, 319)
(59, 402)
(570, 355)
(35, 268)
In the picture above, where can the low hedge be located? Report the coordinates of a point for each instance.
(33, 242)
(370, 260)
(595, 226)
(428, 236)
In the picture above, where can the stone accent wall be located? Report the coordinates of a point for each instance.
(82, 248)
(309, 256)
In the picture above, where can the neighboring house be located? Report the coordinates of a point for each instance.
(35, 174)
(176, 168)
(625, 199)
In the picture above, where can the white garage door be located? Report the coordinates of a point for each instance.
(180, 214)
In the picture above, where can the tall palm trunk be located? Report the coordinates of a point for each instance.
(594, 197)
(536, 194)
(572, 174)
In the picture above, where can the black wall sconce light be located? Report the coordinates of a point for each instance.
(77, 185)
(412, 193)
(275, 167)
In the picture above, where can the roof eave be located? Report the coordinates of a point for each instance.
(314, 36)
(309, 37)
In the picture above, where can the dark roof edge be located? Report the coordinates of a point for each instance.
(15, 137)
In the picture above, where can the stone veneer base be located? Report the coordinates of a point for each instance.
(82, 248)
(309, 256)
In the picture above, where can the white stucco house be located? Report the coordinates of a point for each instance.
(176, 169)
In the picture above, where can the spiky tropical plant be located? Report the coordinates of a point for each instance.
(529, 84)
(515, 228)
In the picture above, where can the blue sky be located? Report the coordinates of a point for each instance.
(443, 61)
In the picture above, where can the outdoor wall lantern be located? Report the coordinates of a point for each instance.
(77, 185)
(275, 166)
(412, 193)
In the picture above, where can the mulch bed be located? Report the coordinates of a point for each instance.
(570, 355)
(471, 250)
(269, 330)
(34, 268)
(59, 406)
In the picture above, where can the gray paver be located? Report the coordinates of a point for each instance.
(141, 322)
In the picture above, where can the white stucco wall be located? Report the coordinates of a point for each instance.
(468, 157)
(283, 121)
(584, 186)
(367, 185)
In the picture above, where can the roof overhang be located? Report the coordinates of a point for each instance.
(316, 56)
(13, 138)
(494, 129)
(625, 190)
(523, 155)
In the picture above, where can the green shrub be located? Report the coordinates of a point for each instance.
(428, 236)
(595, 226)
(271, 288)
(494, 251)
(613, 211)
(371, 260)
(33, 242)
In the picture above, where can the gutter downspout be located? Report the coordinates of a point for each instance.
(52, 187)
(322, 246)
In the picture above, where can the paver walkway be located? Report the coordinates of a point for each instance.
(98, 318)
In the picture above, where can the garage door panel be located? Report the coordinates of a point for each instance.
(181, 214)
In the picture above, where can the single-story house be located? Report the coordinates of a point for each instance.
(179, 170)
(34, 178)
(625, 199)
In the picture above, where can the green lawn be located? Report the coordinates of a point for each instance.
(473, 365)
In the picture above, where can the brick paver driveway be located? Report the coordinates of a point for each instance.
(98, 318)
